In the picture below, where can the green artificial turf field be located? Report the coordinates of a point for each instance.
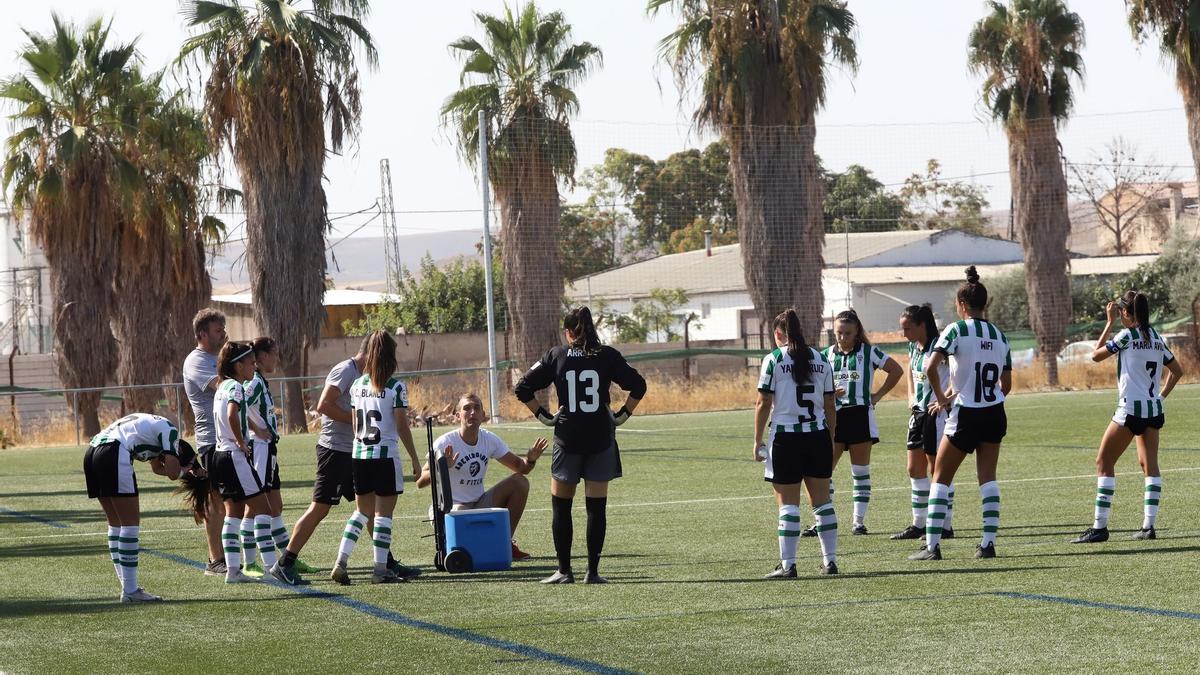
(691, 532)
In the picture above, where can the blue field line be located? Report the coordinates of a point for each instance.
(449, 631)
(31, 517)
(1170, 613)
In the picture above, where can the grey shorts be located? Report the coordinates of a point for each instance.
(484, 501)
(598, 466)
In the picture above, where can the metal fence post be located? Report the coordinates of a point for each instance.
(283, 404)
(75, 414)
(178, 409)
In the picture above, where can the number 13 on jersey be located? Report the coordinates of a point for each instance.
(587, 384)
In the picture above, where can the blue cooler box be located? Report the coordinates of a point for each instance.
(484, 534)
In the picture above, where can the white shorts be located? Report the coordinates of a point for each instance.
(264, 463)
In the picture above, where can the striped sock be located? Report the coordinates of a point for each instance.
(382, 538)
(827, 531)
(279, 533)
(789, 531)
(350, 535)
(1106, 487)
(266, 544)
(989, 494)
(920, 500)
(937, 514)
(861, 473)
(128, 543)
(249, 549)
(233, 550)
(948, 521)
(1153, 496)
(114, 550)
(815, 522)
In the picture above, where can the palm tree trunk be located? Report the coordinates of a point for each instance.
(1190, 89)
(778, 191)
(1040, 210)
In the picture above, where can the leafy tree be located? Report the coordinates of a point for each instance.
(691, 238)
(1177, 26)
(588, 241)
(936, 203)
(654, 317)
(1119, 188)
(450, 299)
(856, 200)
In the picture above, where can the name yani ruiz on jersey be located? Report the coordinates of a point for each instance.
(818, 368)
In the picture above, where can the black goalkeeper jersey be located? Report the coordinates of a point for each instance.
(581, 379)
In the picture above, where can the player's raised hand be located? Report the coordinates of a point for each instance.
(1113, 311)
(451, 455)
(539, 446)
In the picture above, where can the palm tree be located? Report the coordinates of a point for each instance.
(763, 70)
(1177, 23)
(66, 164)
(1027, 52)
(277, 75)
(522, 75)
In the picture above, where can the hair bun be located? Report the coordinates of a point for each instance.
(972, 275)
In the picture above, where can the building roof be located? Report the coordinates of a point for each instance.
(878, 276)
(333, 298)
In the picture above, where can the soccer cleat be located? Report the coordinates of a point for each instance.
(253, 570)
(303, 567)
(518, 554)
(910, 532)
(215, 568)
(286, 575)
(559, 578)
(594, 578)
(1092, 535)
(927, 553)
(782, 572)
(859, 529)
(988, 551)
(140, 595)
(1145, 533)
(236, 577)
(400, 569)
(810, 532)
(387, 577)
(828, 568)
(948, 533)
(340, 575)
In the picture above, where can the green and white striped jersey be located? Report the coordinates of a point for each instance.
(922, 390)
(978, 352)
(260, 407)
(229, 391)
(375, 432)
(1141, 353)
(796, 407)
(145, 436)
(853, 373)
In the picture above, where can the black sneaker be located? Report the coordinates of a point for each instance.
(1145, 533)
(810, 532)
(782, 572)
(927, 553)
(594, 578)
(387, 577)
(404, 570)
(859, 529)
(910, 532)
(948, 533)
(286, 575)
(559, 578)
(1092, 535)
(215, 568)
(828, 568)
(988, 551)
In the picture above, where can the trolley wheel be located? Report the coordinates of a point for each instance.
(458, 561)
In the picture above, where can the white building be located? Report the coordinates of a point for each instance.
(25, 300)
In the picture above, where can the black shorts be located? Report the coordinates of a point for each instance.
(205, 454)
(108, 471)
(273, 480)
(334, 477)
(234, 476)
(925, 431)
(1138, 425)
(968, 427)
(795, 455)
(383, 477)
(570, 467)
(856, 424)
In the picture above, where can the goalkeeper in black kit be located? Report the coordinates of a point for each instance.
(585, 444)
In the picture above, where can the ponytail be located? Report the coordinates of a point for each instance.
(788, 323)
(579, 322)
(851, 316)
(1138, 305)
(923, 314)
(972, 292)
(380, 359)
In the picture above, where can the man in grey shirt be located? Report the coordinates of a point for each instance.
(200, 384)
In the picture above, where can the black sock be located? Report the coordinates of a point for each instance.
(288, 558)
(560, 526)
(597, 524)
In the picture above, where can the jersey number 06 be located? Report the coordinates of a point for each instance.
(589, 382)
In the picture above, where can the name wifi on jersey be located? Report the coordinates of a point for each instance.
(985, 345)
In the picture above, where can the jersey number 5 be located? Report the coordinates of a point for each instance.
(368, 429)
(589, 381)
(806, 403)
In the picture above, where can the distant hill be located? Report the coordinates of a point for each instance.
(356, 262)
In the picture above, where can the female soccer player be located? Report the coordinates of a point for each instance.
(264, 436)
(233, 471)
(585, 443)
(1142, 354)
(795, 392)
(854, 363)
(379, 412)
(108, 471)
(928, 420)
(981, 375)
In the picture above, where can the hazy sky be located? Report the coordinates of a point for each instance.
(911, 100)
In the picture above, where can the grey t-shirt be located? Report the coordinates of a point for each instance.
(336, 435)
(199, 371)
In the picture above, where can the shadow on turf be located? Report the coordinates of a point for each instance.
(81, 490)
(1100, 549)
(10, 609)
(814, 577)
(92, 515)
